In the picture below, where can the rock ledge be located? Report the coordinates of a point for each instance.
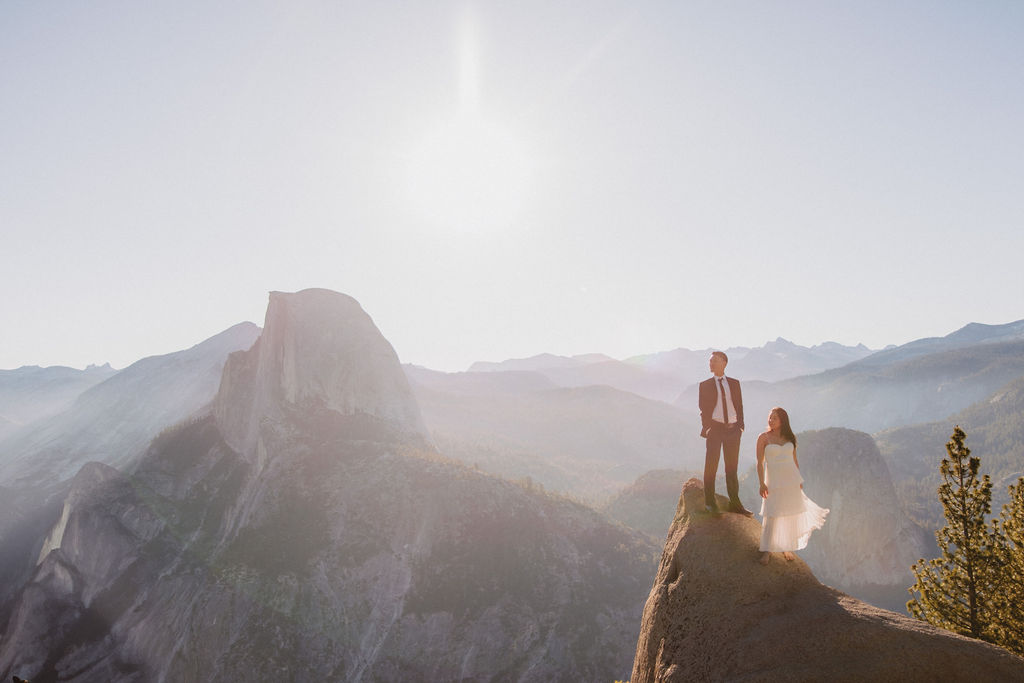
(715, 614)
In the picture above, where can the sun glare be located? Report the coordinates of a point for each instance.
(469, 175)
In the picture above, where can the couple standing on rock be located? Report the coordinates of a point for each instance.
(788, 516)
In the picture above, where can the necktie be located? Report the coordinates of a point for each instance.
(721, 391)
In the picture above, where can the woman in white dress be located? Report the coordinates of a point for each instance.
(787, 515)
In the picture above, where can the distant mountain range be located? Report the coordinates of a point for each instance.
(995, 434)
(303, 526)
(115, 419)
(494, 417)
(919, 382)
(509, 417)
(278, 473)
(32, 393)
(588, 441)
(775, 360)
(663, 376)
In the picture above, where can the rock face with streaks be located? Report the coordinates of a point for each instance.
(112, 420)
(868, 539)
(318, 348)
(716, 614)
(868, 543)
(305, 529)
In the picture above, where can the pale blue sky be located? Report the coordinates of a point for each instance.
(689, 173)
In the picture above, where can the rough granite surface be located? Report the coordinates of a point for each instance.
(716, 614)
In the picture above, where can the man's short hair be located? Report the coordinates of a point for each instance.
(720, 354)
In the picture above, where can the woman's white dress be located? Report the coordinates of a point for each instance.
(788, 516)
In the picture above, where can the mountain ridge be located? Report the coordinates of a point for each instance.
(331, 544)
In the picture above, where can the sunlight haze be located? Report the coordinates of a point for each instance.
(494, 180)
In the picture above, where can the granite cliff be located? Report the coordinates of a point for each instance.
(305, 529)
(112, 420)
(715, 614)
(869, 542)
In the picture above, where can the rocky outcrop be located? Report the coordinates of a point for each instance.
(64, 621)
(715, 614)
(112, 422)
(869, 542)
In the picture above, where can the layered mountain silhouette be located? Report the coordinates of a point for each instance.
(776, 360)
(648, 504)
(504, 415)
(995, 434)
(300, 521)
(587, 441)
(922, 381)
(592, 370)
(114, 420)
(663, 376)
(32, 393)
(715, 614)
(305, 527)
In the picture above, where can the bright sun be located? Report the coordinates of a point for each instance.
(469, 175)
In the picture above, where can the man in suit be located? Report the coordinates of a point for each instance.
(721, 419)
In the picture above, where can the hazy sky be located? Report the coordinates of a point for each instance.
(495, 180)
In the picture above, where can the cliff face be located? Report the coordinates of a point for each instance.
(868, 538)
(112, 422)
(715, 614)
(869, 542)
(318, 348)
(306, 530)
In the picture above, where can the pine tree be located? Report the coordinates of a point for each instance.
(954, 591)
(1008, 601)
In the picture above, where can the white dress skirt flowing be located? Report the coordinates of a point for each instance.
(788, 516)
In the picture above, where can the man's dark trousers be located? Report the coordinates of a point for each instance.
(722, 437)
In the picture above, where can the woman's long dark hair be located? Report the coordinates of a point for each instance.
(784, 428)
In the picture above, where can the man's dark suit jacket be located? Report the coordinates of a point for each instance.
(708, 397)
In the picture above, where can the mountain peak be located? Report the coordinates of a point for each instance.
(318, 347)
(715, 613)
(92, 367)
(980, 332)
